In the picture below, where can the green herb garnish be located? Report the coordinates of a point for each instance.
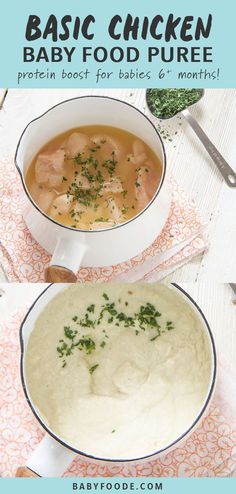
(101, 219)
(86, 344)
(124, 209)
(93, 368)
(165, 103)
(169, 325)
(91, 308)
(110, 164)
(147, 318)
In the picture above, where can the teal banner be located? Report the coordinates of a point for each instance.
(117, 44)
(116, 485)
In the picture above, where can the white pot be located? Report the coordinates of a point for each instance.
(72, 248)
(53, 456)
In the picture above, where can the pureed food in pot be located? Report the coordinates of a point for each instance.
(118, 371)
(93, 177)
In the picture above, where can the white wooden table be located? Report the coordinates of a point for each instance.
(187, 160)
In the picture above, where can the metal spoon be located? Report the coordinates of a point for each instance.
(233, 286)
(226, 171)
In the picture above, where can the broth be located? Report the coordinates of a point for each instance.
(93, 177)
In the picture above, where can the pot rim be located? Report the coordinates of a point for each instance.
(129, 460)
(77, 229)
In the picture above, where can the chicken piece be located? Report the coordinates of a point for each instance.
(146, 184)
(139, 154)
(49, 168)
(113, 210)
(82, 181)
(83, 215)
(81, 209)
(61, 205)
(45, 199)
(109, 146)
(42, 196)
(77, 143)
(107, 215)
(114, 186)
(102, 225)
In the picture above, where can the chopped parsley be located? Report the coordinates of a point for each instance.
(69, 333)
(154, 338)
(148, 316)
(93, 368)
(86, 344)
(86, 322)
(169, 325)
(165, 103)
(88, 169)
(147, 319)
(101, 219)
(91, 308)
(110, 164)
(124, 209)
(86, 197)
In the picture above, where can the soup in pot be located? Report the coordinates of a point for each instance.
(118, 371)
(94, 177)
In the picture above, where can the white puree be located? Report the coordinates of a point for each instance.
(143, 395)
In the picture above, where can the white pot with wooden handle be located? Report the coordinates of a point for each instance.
(53, 455)
(71, 248)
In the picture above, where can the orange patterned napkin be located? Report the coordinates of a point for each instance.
(209, 451)
(24, 260)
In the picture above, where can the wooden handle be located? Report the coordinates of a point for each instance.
(25, 472)
(58, 274)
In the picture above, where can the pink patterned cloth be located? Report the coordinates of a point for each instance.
(209, 451)
(25, 261)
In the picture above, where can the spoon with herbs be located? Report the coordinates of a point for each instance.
(166, 103)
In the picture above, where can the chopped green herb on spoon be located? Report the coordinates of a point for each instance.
(166, 103)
